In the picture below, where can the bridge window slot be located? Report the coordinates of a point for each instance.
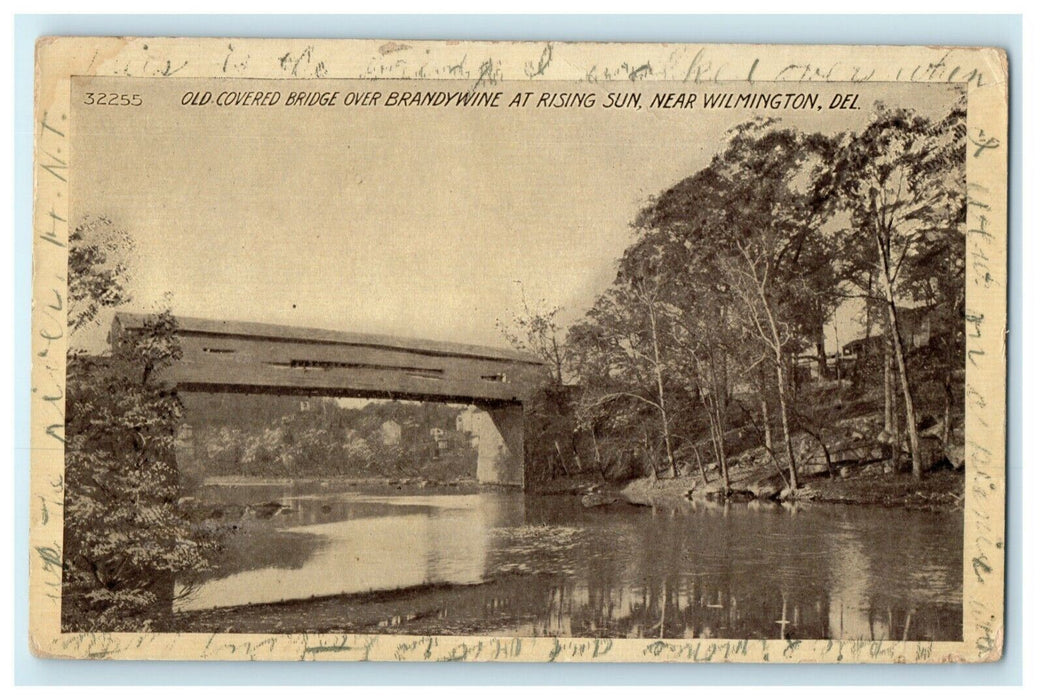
(500, 377)
(427, 372)
(219, 351)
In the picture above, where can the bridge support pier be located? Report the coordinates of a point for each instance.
(501, 458)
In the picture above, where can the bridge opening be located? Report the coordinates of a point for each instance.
(232, 436)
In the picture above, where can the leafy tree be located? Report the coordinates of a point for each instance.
(900, 186)
(625, 339)
(552, 420)
(743, 236)
(126, 537)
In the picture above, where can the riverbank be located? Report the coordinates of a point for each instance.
(938, 490)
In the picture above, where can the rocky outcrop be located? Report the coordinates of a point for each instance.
(767, 488)
(597, 500)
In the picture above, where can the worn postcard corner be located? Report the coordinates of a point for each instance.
(395, 350)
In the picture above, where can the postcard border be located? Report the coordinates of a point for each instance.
(982, 565)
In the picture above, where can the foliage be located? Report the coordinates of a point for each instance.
(554, 441)
(126, 537)
(702, 339)
(98, 266)
(270, 436)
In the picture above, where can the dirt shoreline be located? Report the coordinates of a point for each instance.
(410, 610)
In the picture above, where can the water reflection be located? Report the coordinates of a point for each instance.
(540, 566)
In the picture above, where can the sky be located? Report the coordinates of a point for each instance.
(425, 222)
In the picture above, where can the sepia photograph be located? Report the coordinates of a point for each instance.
(502, 358)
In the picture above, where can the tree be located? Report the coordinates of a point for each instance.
(899, 184)
(126, 537)
(935, 276)
(551, 414)
(747, 230)
(535, 329)
(699, 334)
(625, 331)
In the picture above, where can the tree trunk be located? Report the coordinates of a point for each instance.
(667, 444)
(891, 427)
(784, 420)
(722, 454)
(821, 357)
(900, 364)
(576, 453)
(597, 451)
(561, 459)
(766, 423)
(947, 430)
(708, 405)
(837, 359)
(781, 385)
(649, 455)
(699, 463)
(660, 395)
(889, 389)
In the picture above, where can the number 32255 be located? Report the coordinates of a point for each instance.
(113, 99)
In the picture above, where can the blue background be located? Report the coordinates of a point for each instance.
(988, 30)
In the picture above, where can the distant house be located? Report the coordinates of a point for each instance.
(391, 433)
(467, 424)
(917, 326)
(861, 348)
(441, 439)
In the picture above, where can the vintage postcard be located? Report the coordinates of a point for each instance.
(398, 350)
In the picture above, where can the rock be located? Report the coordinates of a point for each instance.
(761, 456)
(740, 496)
(264, 511)
(596, 500)
(813, 467)
(804, 493)
(766, 489)
(933, 455)
(710, 492)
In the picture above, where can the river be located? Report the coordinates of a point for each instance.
(513, 564)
